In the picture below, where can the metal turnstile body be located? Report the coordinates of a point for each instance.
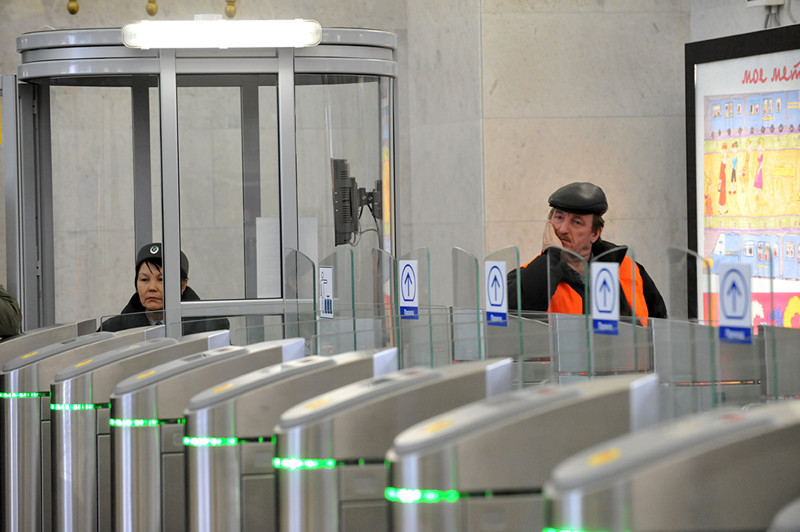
(27, 341)
(722, 470)
(229, 449)
(147, 429)
(331, 448)
(26, 384)
(481, 467)
(788, 519)
(81, 439)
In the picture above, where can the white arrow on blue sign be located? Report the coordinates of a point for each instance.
(496, 300)
(735, 324)
(605, 297)
(409, 290)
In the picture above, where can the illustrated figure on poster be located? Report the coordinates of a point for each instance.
(708, 207)
(734, 162)
(743, 177)
(758, 182)
(721, 185)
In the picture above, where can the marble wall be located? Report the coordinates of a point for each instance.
(586, 91)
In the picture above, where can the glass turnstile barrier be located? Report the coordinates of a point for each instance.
(467, 314)
(413, 308)
(699, 366)
(781, 362)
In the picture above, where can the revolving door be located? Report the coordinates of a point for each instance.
(225, 154)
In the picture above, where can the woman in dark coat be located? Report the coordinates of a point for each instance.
(146, 305)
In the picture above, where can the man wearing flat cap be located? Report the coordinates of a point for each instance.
(576, 224)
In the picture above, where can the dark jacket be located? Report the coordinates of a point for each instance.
(533, 281)
(133, 315)
(10, 315)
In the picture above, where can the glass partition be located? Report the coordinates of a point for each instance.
(337, 317)
(377, 318)
(414, 308)
(630, 350)
(504, 329)
(343, 117)
(571, 333)
(301, 299)
(782, 363)
(467, 322)
(100, 198)
(698, 369)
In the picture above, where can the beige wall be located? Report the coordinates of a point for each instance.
(586, 91)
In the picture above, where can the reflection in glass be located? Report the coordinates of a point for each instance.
(343, 117)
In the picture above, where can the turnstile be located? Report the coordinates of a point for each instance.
(788, 518)
(26, 384)
(579, 353)
(698, 372)
(147, 429)
(722, 470)
(331, 448)
(81, 442)
(481, 467)
(27, 341)
(229, 450)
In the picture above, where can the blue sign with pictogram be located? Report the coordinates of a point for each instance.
(409, 297)
(496, 300)
(735, 325)
(605, 297)
(326, 291)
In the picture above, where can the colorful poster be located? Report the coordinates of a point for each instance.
(748, 154)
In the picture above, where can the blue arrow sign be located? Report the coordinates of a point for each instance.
(409, 308)
(496, 302)
(735, 325)
(605, 299)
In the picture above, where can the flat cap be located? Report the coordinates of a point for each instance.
(152, 253)
(580, 198)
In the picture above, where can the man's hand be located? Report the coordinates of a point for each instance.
(549, 238)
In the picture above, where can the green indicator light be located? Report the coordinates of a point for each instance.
(412, 496)
(550, 529)
(133, 422)
(209, 442)
(308, 463)
(58, 406)
(144, 422)
(23, 395)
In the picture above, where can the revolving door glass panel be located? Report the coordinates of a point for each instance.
(105, 180)
(343, 127)
(229, 192)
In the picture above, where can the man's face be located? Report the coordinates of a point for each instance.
(575, 231)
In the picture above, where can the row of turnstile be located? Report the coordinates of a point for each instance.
(135, 431)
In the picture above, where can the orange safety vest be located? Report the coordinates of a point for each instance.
(566, 300)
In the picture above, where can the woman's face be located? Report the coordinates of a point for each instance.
(150, 286)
